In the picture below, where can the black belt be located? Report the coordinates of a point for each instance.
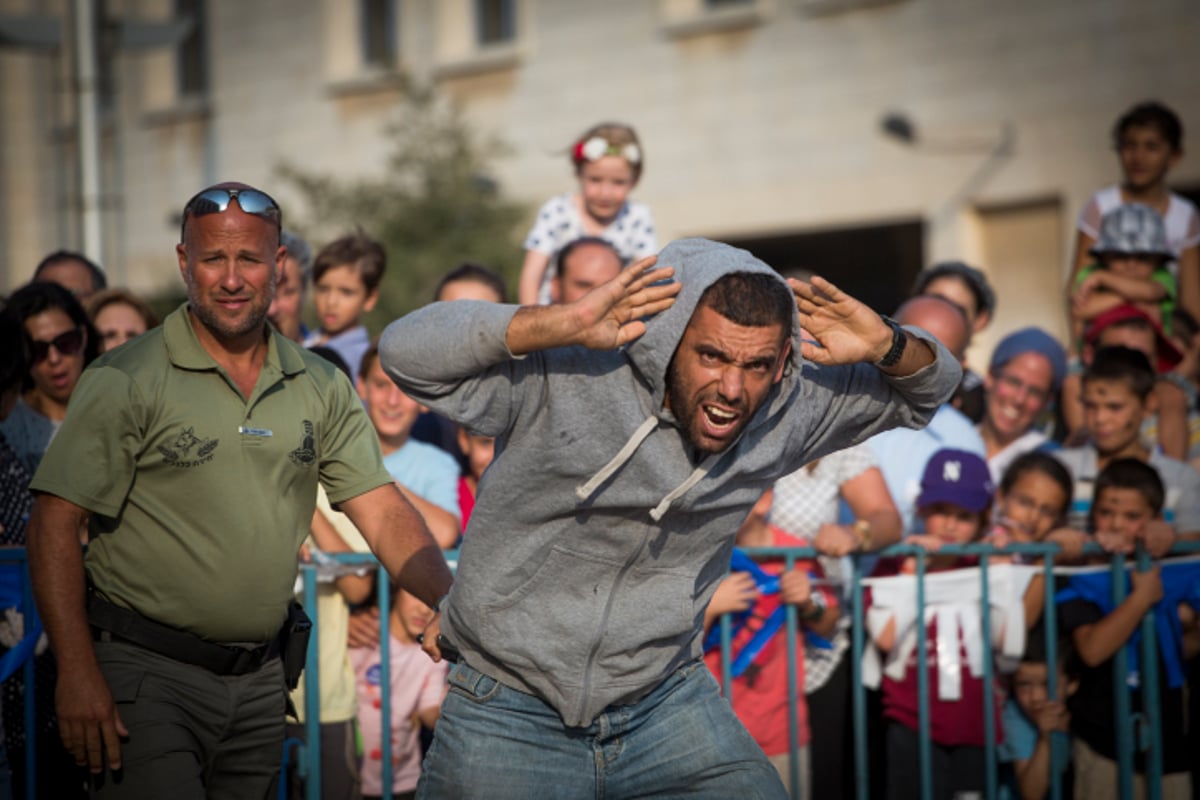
(116, 624)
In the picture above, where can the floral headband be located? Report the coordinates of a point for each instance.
(598, 147)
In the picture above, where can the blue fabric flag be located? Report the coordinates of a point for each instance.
(1181, 584)
(766, 584)
(12, 595)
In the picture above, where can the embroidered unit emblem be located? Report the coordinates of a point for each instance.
(305, 455)
(188, 449)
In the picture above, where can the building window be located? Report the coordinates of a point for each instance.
(378, 19)
(495, 21)
(192, 58)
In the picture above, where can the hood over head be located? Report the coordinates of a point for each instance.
(698, 263)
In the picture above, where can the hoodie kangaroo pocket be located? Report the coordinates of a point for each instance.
(550, 624)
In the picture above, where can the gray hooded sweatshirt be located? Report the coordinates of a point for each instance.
(597, 539)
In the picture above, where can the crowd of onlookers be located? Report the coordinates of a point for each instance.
(1093, 439)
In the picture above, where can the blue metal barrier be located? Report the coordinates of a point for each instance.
(310, 751)
(1148, 723)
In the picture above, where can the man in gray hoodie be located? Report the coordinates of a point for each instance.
(635, 429)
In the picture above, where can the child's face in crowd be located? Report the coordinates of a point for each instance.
(1146, 156)
(1121, 511)
(409, 616)
(1017, 393)
(604, 184)
(950, 523)
(1031, 688)
(342, 298)
(392, 412)
(1130, 265)
(1033, 506)
(479, 450)
(1112, 414)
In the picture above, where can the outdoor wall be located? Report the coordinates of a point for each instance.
(758, 119)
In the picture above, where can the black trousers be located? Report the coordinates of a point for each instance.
(955, 769)
(831, 747)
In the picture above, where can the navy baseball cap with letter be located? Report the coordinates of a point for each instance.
(959, 478)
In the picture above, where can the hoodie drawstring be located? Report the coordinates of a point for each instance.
(699, 472)
(586, 490)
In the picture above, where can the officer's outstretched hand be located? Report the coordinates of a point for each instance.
(846, 330)
(88, 722)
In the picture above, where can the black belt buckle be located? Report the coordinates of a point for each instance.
(245, 661)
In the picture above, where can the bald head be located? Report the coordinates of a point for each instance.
(941, 318)
(216, 199)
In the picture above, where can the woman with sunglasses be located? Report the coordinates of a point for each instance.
(61, 343)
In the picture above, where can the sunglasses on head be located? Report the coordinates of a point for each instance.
(67, 343)
(216, 201)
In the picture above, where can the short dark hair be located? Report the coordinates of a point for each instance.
(470, 272)
(751, 299)
(99, 280)
(1064, 649)
(1123, 364)
(1131, 473)
(1036, 461)
(560, 258)
(970, 277)
(1151, 114)
(356, 250)
(14, 351)
(38, 297)
(370, 356)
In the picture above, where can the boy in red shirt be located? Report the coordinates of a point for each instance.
(760, 694)
(955, 506)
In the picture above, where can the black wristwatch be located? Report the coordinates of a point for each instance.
(899, 341)
(816, 611)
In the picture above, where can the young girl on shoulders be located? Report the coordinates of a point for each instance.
(608, 161)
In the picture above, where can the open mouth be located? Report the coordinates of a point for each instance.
(719, 421)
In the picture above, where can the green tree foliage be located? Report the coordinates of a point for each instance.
(432, 206)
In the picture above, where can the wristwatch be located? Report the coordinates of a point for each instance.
(899, 340)
(818, 608)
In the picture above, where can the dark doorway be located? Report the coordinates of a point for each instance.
(876, 263)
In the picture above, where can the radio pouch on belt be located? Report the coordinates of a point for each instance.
(294, 643)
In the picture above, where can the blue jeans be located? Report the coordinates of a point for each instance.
(681, 739)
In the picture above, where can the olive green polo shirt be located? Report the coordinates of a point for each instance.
(201, 497)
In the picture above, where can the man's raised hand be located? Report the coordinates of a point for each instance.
(605, 318)
(846, 330)
(611, 314)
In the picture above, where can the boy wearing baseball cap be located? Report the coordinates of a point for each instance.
(954, 506)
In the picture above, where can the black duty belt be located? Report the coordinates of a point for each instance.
(113, 623)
